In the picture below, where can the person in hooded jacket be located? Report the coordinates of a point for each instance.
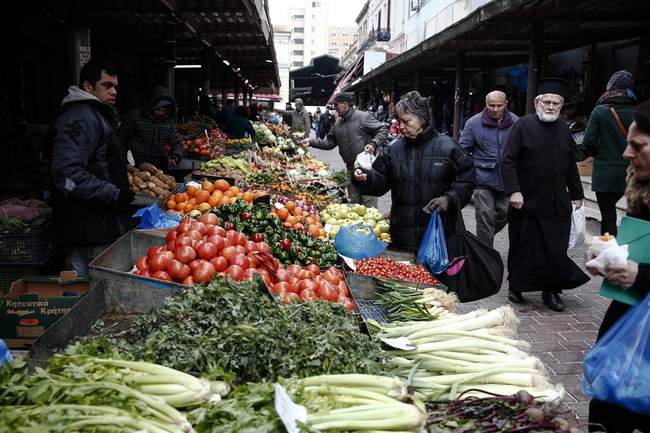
(148, 131)
(90, 192)
(423, 169)
(605, 139)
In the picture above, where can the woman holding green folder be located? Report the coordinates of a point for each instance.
(633, 276)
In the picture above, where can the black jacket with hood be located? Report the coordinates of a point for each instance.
(416, 171)
(146, 136)
(88, 170)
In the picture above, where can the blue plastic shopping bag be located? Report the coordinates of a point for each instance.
(152, 217)
(358, 242)
(617, 369)
(5, 355)
(433, 249)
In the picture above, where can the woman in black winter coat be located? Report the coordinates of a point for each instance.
(632, 276)
(424, 171)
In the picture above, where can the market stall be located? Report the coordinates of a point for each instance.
(245, 317)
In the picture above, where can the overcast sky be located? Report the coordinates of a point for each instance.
(341, 12)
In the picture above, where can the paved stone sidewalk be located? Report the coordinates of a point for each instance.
(560, 340)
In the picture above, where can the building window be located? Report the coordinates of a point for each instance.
(299, 30)
(315, 4)
(299, 41)
(298, 17)
(298, 53)
(299, 64)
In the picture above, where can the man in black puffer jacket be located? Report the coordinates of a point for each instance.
(90, 189)
(424, 171)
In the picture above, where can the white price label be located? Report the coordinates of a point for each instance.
(350, 262)
(401, 343)
(289, 412)
(278, 205)
(194, 184)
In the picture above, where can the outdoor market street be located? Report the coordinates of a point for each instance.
(560, 340)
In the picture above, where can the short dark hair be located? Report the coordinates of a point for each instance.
(92, 71)
(415, 104)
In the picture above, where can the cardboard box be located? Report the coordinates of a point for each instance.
(36, 303)
(585, 167)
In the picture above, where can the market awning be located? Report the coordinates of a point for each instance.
(272, 97)
(346, 79)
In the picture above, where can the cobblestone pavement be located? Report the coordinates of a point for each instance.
(560, 340)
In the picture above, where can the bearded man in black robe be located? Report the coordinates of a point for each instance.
(541, 178)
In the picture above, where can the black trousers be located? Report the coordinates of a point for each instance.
(607, 205)
(614, 418)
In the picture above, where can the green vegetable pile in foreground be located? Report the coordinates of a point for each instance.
(405, 303)
(352, 402)
(235, 328)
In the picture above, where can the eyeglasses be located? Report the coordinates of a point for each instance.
(550, 103)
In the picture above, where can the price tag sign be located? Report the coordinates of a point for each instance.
(289, 412)
(350, 262)
(401, 343)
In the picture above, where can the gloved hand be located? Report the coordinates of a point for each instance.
(126, 196)
(438, 204)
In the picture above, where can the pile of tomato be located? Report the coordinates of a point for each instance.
(310, 284)
(200, 250)
(384, 267)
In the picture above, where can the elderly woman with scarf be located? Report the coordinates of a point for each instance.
(423, 169)
(605, 141)
(632, 276)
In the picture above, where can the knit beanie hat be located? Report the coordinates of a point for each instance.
(620, 80)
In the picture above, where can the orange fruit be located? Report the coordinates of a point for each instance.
(180, 197)
(283, 213)
(192, 201)
(321, 233)
(299, 226)
(222, 185)
(213, 201)
(291, 219)
(234, 190)
(204, 207)
(188, 208)
(192, 190)
(287, 225)
(202, 196)
(224, 200)
(310, 220)
(248, 196)
(313, 230)
(171, 204)
(297, 211)
(290, 205)
(207, 186)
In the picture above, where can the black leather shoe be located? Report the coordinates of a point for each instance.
(515, 297)
(553, 301)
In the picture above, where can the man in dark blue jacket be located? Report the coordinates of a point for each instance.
(90, 189)
(484, 139)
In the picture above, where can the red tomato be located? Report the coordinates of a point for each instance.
(280, 287)
(240, 249)
(228, 225)
(282, 275)
(207, 250)
(155, 250)
(250, 246)
(308, 295)
(142, 263)
(240, 260)
(262, 246)
(218, 241)
(291, 297)
(346, 301)
(171, 246)
(220, 263)
(235, 272)
(189, 281)
(294, 269)
(228, 252)
(203, 272)
(328, 293)
(144, 273)
(172, 267)
(184, 240)
(267, 280)
(309, 285)
(171, 235)
(195, 235)
(184, 226)
(209, 218)
(257, 237)
(343, 289)
(158, 262)
(185, 254)
(183, 273)
(217, 230)
(200, 227)
(252, 259)
(315, 269)
(230, 233)
(240, 239)
(331, 277)
(294, 286)
(161, 275)
(249, 273)
(305, 275)
(195, 264)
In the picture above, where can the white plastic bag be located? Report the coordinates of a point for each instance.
(599, 244)
(364, 160)
(578, 226)
(610, 256)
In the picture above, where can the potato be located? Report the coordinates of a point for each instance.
(169, 181)
(159, 183)
(143, 175)
(149, 168)
(131, 169)
(158, 191)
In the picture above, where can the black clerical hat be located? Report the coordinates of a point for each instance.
(556, 86)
